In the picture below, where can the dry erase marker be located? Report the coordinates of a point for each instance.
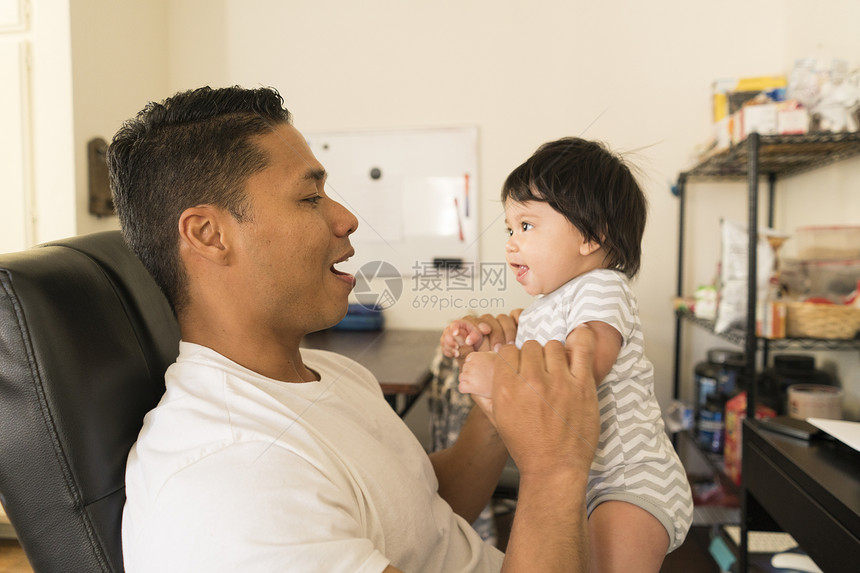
(467, 194)
(459, 220)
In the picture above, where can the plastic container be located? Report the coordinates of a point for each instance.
(833, 280)
(731, 370)
(705, 377)
(722, 373)
(834, 242)
(361, 317)
(787, 370)
(814, 401)
(712, 426)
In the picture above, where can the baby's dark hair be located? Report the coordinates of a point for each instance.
(594, 189)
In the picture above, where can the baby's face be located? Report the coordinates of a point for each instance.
(544, 249)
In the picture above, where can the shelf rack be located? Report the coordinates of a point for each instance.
(738, 336)
(756, 157)
(779, 154)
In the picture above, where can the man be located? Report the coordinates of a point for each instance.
(262, 457)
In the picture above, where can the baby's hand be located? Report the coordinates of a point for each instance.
(460, 337)
(476, 374)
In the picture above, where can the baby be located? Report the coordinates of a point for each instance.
(575, 216)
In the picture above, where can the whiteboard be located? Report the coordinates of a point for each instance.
(414, 192)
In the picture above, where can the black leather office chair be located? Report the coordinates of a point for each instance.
(85, 337)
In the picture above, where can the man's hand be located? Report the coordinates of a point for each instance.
(547, 414)
(545, 410)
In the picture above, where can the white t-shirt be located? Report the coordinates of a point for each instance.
(234, 471)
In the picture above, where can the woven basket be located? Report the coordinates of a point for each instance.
(811, 320)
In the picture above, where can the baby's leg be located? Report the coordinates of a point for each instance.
(624, 538)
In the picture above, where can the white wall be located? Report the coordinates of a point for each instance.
(14, 151)
(119, 57)
(51, 101)
(38, 172)
(635, 74)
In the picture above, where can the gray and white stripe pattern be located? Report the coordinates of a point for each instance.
(635, 460)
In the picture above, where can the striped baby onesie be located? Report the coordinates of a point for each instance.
(635, 461)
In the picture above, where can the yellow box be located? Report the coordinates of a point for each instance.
(727, 92)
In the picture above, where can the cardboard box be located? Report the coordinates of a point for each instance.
(736, 412)
(761, 119)
(770, 319)
(792, 121)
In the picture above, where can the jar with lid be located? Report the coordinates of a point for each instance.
(722, 373)
(712, 426)
(705, 379)
(731, 376)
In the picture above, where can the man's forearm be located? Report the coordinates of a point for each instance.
(469, 471)
(549, 532)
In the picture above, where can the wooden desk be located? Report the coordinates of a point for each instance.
(811, 489)
(400, 359)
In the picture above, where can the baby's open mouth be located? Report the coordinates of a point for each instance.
(519, 270)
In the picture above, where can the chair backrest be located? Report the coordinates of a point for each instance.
(85, 337)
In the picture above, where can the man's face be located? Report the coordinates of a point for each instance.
(293, 238)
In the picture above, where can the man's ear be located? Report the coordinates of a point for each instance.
(202, 231)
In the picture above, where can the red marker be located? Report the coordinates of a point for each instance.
(459, 220)
(467, 194)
